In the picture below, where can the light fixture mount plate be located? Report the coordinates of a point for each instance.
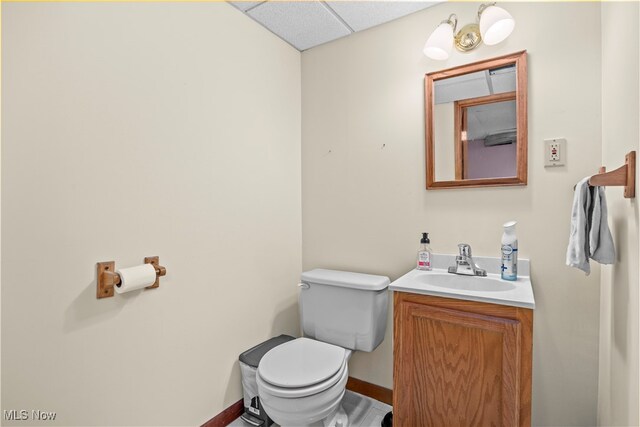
(467, 38)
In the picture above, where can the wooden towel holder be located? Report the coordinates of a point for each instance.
(623, 176)
(108, 279)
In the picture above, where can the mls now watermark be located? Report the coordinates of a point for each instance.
(28, 415)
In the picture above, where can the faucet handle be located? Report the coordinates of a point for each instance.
(465, 249)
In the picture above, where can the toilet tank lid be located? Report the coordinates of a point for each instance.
(346, 279)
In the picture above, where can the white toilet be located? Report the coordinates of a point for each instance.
(302, 382)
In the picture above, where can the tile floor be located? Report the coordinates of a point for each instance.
(361, 410)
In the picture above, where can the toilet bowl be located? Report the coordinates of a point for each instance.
(302, 383)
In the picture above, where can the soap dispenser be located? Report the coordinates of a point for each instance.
(424, 253)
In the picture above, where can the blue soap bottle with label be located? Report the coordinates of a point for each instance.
(509, 251)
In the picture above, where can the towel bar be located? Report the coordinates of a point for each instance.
(624, 176)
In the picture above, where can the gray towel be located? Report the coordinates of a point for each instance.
(601, 247)
(590, 235)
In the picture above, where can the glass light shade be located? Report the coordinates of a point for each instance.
(495, 25)
(440, 42)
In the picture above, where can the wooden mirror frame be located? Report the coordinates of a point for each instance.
(520, 61)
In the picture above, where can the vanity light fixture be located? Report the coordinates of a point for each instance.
(494, 24)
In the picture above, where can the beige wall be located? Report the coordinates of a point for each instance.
(137, 129)
(364, 206)
(619, 397)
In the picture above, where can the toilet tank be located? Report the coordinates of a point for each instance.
(343, 308)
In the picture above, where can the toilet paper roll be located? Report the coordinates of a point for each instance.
(137, 277)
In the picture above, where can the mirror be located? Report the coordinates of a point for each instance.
(476, 124)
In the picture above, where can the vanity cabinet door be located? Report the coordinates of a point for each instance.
(460, 363)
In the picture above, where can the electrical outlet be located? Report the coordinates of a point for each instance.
(555, 152)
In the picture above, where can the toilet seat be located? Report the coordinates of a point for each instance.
(293, 393)
(308, 408)
(302, 367)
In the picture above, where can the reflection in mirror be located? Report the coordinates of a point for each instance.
(476, 121)
(474, 127)
(486, 134)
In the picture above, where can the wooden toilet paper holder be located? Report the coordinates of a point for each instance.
(108, 278)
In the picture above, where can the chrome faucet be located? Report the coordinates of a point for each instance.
(465, 264)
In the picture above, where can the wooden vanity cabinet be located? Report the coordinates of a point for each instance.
(460, 363)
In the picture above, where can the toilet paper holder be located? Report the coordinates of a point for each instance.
(108, 278)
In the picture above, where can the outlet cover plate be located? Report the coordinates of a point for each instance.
(555, 152)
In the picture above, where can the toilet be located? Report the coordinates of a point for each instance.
(302, 382)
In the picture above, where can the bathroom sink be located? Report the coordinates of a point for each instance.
(490, 289)
(463, 283)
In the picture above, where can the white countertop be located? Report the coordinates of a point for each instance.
(491, 289)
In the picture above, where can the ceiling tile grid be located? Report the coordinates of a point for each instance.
(245, 5)
(360, 15)
(302, 24)
(305, 24)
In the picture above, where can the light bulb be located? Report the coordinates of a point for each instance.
(495, 25)
(440, 42)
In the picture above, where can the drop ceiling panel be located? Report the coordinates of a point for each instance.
(360, 15)
(305, 24)
(302, 24)
(489, 119)
(465, 86)
(504, 80)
